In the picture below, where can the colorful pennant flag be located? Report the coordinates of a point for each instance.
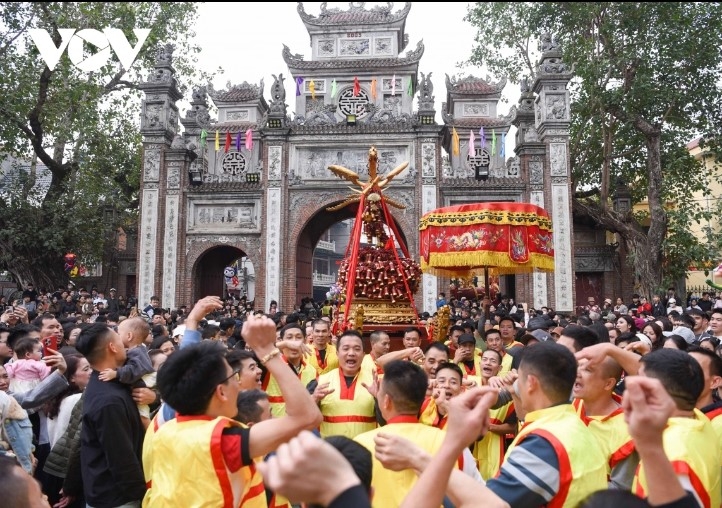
(493, 143)
(472, 149)
(454, 141)
(238, 141)
(482, 138)
(218, 142)
(373, 89)
(227, 146)
(249, 139)
(502, 150)
(299, 82)
(356, 87)
(312, 88)
(333, 88)
(410, 89)
(393, 85)
(204, 137)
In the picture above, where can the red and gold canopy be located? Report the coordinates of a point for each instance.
(505, 237)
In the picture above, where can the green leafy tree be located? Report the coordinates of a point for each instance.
(83, 127)
(647, 81)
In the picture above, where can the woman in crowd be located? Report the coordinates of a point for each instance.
(654, 332)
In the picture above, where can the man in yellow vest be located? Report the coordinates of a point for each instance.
(554, 460)
(400, 396)
(712, 369)
(380, 345)
(342, 394)
(448, 383)
(495, 342)
(323, 356)
(689, 440)
(489, 451)
(601, 411)
(466, 356)
(203, 445)
(291, 346)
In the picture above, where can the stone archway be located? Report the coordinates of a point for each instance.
(208, 270)
(309, 236)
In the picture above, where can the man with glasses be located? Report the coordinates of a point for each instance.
(215, 450)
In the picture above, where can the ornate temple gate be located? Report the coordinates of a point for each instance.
(262, 190)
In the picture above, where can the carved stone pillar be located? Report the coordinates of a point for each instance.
(552, 119)
(159, 125)
(530, 151)
(429, 165)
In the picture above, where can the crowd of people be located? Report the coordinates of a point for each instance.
(104, 404)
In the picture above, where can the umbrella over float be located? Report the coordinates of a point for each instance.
(501, 237)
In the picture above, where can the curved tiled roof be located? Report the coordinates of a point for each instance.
(471, 85)
(298, 63)
(355, 15)
(245, 92)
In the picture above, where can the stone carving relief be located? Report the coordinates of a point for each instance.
(312, 164)
(326, 47)
(234, 164)
(562, 252)
(237, 116)
(319, 86)
(248, 243)
(275, 154)
(153, 116)
(536, 170)
(556, 108)
(173, 178)
(558, 158)
(224, 216)
(531, 135)
(475, 110)
(553, 66)
(392, 103)
(386, 85)
(350, 104)
(513, 167)
(383, 46)
(151, 165)
(428, 160)
(355, 47)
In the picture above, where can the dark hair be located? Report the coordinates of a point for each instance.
(411, 329)
(10, 475)
(19, 332)
(376, 336)
(160, 340)
(715, 362)
(38, 321)
(450, 366)
(437, 345)
(507, 318)
(347, 333)
(630, 322)
(92, 341)
(499, 354)
(318, 321)
(357, 455)
(227, 323)
(249, 411)
(657, 332)
(189, 377)
(555, 367)
(581, 335)
(678, 341)
(52, 408)
(25, 346)
(68, 328)
(680, 374)
(291, 326)
(491, 331)
(235, 357)
(613, 499)
(210, 331)
(584, 321)
(158, 330)
(406, 384)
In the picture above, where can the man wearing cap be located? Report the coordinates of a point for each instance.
(113, 305)
(466, 357)
(672, 306)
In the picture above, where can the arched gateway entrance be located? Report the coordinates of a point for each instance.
(209, 279)
(310, 238)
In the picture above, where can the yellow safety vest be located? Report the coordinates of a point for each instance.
(347, 411)
(369, 364)
(270, 385)
(187, 468)
(325, 365)
(475, 371)
(506, 360)
(429, 414)
(715, 418)
(688, 444)
(391, 487)
(611, 432)
(581, 463)
(489, 451)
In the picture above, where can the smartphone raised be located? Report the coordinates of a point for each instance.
(50, 343)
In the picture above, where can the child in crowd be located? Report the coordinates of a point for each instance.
(29, 369)
(138, 372)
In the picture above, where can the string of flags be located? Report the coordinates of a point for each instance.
(455, 142)
(248, 142)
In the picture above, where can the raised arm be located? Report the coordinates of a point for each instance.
(413, 353)
(301, 410)
(200, 310)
